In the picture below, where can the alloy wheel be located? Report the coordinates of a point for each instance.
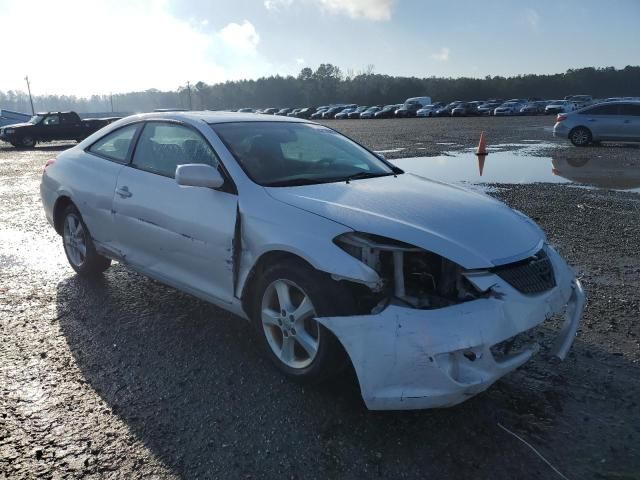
(580, 136)
(75, 240)
(287, 316)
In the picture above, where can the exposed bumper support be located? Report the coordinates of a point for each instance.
(407, 358)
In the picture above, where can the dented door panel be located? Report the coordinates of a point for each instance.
(182, 233)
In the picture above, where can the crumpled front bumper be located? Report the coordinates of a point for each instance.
(407, 358)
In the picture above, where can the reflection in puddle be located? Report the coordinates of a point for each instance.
(520, 167)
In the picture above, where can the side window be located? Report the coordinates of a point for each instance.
(603, 110)
(164, 146)
(51, 120)
(630, 109)
(115, 145)
(67, 118)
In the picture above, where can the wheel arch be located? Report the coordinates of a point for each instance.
(58, 209)
(573, 129)
(265, 260)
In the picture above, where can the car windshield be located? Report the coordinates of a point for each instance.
(281, 154)
(35, 119)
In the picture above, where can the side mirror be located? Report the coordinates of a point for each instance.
(380, 156)
(198, 175)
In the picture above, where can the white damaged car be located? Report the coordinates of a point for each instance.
(327, 248)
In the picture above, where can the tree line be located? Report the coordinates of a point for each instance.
(329, 84)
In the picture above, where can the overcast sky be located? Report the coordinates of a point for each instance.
(100, 46)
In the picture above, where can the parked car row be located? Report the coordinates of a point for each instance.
(423, 107)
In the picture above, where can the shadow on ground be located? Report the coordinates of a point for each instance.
(191, 383)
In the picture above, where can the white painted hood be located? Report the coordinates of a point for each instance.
(471, 229)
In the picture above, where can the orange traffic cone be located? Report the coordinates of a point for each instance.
(482, 146)
(481, 159)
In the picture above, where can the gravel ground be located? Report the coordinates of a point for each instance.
(127, 378)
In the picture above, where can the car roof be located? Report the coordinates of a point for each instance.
(208, 116)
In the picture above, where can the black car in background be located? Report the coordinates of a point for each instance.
(370, 112)
(389, 111)
(446, 110)
(356, 113)
(317, 115)
(331, 112)
(489, 106)
(306, 112)
(408, 110)
(50, 126)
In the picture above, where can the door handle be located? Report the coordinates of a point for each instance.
(592, 119)
(124, 192)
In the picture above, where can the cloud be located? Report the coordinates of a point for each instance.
(375, 10)
(442, 55)
(300, 61)
(242, 37)
(369, 9)
(533, 18)
(276, 4)
(121, 45)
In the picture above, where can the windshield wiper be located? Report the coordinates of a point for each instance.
(363, 174)
(292, 182)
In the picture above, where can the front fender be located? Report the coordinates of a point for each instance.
(298, 232)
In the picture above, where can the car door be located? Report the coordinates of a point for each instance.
(50, 127)
(182, 236)
(604, 121)
(630, 114)
(98, 172)
(70, 127)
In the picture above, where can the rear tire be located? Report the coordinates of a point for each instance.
(580, 136)
(78, 245)
(287, 297)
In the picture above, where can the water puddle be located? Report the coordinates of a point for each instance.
(523, 166)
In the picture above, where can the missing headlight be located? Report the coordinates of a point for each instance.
(410, 275)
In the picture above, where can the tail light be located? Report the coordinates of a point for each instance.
(50, 162)
(561, 117)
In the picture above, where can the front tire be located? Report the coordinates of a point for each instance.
(27, 141)
(78, 246)
(580, 136)
(286, 299)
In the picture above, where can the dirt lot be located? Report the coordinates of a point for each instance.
(126, 378)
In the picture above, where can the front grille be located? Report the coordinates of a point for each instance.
(533, 275)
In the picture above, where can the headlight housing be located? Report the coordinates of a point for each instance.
(410, 274)
(9, 131)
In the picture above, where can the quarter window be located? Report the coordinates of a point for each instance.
(164, 146)
(603, 110)
(630, 109)
(115, 146)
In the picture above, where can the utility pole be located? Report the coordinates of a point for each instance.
(189, 89)
(30, 98)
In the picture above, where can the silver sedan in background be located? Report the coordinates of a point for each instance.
(610, 121)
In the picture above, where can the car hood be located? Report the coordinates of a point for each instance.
(14, 125)
(471, 229)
